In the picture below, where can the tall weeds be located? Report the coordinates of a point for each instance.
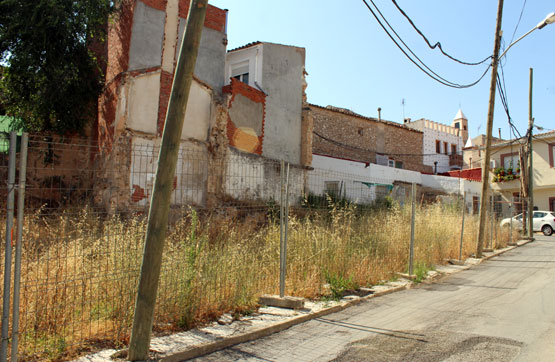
(80, 271)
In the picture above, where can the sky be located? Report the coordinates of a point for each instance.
(353, 64)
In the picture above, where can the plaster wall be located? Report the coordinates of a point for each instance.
(250, 177)
(357, 174)
(247, 114)
(198, 115)
(147, 37)
(210, 64)
(250, 57)
(282, 81)
(189, 185)
(138, 103)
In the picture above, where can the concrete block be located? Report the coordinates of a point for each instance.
(456, 262)
(285, 302)
(406, 276)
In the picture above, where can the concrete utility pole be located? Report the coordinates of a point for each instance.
(530, 168)
(160, 202)
(487, 156)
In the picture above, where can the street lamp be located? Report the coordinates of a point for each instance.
(549, 19)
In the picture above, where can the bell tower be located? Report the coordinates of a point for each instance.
(461, 122)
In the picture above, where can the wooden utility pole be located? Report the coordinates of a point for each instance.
(530, 168)
(487, 156)
(161, 195)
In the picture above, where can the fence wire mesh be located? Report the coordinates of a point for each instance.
(85, 219)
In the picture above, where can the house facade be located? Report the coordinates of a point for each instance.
(506, 175)
(235, 129)
(442, 144)
(343, 134)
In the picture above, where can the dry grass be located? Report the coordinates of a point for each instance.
(80, 271)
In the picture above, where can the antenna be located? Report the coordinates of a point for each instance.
(403, 104)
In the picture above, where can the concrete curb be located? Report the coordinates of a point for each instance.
(211, 347)
(224, 342)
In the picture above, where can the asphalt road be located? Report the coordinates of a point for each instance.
(500, 310)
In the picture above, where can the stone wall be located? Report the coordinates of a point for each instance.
(344, 134)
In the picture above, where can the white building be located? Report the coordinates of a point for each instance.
(442, 145)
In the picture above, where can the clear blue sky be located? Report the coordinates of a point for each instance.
(353, 64)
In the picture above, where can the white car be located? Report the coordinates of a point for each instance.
(544, 221)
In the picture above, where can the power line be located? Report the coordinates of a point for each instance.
(518, 22)
(428, 71)
(437, 44)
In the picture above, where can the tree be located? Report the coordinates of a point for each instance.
(52, 78)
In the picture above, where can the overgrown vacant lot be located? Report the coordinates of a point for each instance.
(80, 270)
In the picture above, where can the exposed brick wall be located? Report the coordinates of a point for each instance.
(237, 87)
(117, 57)
(166, 80)
(343, 135)
(215, 17)
(307, 136)
(156, 4)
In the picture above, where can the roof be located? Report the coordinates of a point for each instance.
(245, 46)
(255, 43)
(469, 143)
(538, 135)
(460, 115)
(351, 113)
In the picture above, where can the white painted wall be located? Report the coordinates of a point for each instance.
(197, 117)
(139, 98)
(191, 171)
(354, 173)
(252, 56)
(433, 132)
(251, 177)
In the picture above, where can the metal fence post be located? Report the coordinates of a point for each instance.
(511, 221)
(462, 225)
(282, 230)
(17, 261)
(8, 253)
(413, 211)
(491, 223)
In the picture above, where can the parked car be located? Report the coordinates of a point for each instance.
(544, 221)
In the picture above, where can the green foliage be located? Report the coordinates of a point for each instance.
(51, 78)
(505, 174)
(338, 284)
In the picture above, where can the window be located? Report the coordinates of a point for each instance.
(240, 71)
(438, 147)
(453, 149)
(552, 204)
(457, 125)
(398, 164)
(551, 152)
(391, 163)
(510, 160)
(539, 215)
(464, 128)
(331, 188)
(242, 77)
(445, 148)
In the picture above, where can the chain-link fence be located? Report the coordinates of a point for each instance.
(85, 219)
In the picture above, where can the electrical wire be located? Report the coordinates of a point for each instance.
(438, 44)
(422, 66)
(518, 22)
